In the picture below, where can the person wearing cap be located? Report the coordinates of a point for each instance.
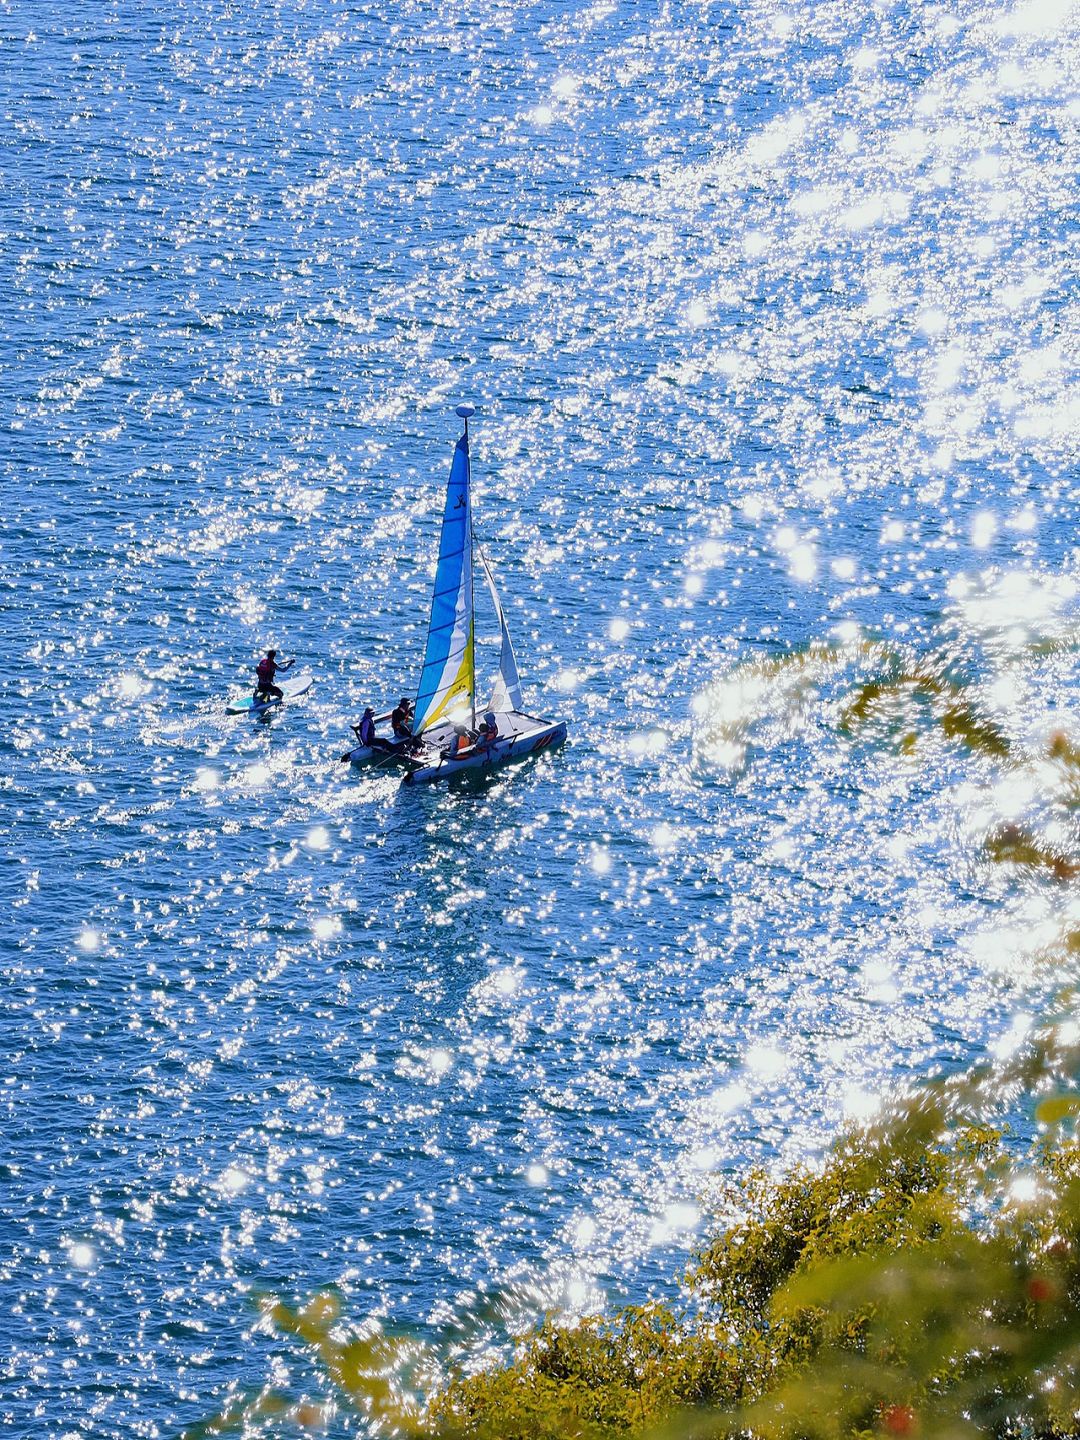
(365, 731)
(401, 719)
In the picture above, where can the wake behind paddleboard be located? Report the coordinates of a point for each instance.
(248, 705)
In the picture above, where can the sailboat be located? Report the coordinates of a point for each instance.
(445, 739)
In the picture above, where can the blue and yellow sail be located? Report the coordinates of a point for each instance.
(448, 678)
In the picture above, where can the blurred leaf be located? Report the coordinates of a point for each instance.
(1057, 1108)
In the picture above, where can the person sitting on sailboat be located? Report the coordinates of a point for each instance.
(365, 733)
(489, 732)
(461, 743)
(401, 719)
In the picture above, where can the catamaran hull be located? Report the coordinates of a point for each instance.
(512, 747)
(391, 748)
(364, 754)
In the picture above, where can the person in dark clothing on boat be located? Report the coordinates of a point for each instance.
(489, 732)
(401, 718)
(265, 671)
(365, 734)
(365, 731)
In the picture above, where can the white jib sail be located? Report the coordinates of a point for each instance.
(506, 695)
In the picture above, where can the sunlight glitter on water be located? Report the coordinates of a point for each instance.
(768, 321)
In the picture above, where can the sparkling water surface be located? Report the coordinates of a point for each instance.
(770, 313)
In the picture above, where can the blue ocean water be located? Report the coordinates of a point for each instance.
(770, 313)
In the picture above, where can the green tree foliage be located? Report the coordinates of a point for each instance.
(924, 1280)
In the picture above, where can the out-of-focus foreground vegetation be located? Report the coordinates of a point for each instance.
(924, 1280)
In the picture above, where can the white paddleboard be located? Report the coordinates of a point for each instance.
(292, 686)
